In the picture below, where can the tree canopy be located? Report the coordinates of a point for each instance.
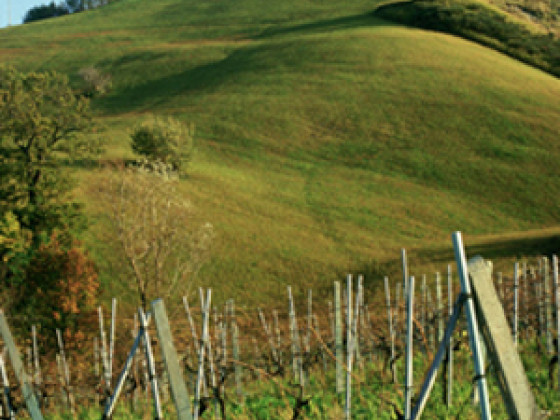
(40, 118)
(41, 125)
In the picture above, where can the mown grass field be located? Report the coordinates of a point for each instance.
(326, 139)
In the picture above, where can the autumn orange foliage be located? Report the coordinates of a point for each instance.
(63, 287)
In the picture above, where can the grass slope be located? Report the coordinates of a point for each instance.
(327, 139)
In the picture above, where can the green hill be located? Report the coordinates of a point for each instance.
(326, 138)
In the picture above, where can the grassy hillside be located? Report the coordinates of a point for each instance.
(327, 139)
(522, 33)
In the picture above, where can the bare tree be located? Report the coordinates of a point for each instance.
(153, 226)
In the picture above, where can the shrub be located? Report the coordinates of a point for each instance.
(164, 140)
(95, 82)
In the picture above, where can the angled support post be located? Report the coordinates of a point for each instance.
(112, 401)
(23, 378)
(444, 345)
(472, 325)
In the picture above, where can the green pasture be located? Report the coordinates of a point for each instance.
(326, 138)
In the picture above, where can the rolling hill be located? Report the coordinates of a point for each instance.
(326, 138)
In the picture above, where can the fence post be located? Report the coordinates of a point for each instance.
(235, 349)
(391, 331)
(409, 334)
(525, 297)
(104, 357)
(112, 401)
(23, 378)
(547, 306)
(203, 344)
(10, 414)
(515, 302)
(66, 374)
(296, 345)
(112, 336)
(450, 346)
(178, 389)
(557, 301)
(439, 309)
(349, 349)
(338, 338)
(515, 388)
(150, 362)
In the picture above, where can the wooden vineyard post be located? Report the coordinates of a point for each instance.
(557, 302)
(191, 324)
(396, 326)
(223, 343)
(338, 338)
(547, 306)
(268, 334)
(404, 286)
(404, 263)
(391, 331)
(472, 325)
(450, 345)
(500, 286)
(203, 345)
(443, 348)
(525, 299)
(178, 389)
(278, 335)
(134, 367)
(112, 336)
(296, 364)
(356, 316)
(309, 322)
(423, 309)
(515, 303)
(8, 411)
(431, 319)
(409, 350)
(151, 365)
(112, 401)
(538, 293)
(514, 386)
(349, 349)
(96, 370)
(235, 349)
(104, 357)
(21, 375)
(37, 377)
(439, 309)
(66, 374)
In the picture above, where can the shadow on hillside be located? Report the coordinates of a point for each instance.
(518, 248)
(346, 22)
(157, 91)
(209, 76)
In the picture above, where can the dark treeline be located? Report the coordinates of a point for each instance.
(52, 9)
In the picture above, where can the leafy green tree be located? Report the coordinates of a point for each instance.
(40, 119)
(164, 140)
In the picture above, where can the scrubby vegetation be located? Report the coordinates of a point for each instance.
(480, 22)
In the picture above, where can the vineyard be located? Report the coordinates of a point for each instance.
(345, 358)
